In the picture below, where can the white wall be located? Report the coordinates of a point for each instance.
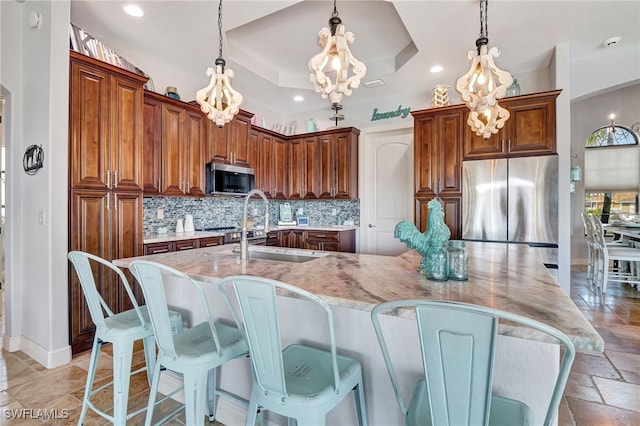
(35, 74)
(360, 113)
(560, 76)
(588, 115)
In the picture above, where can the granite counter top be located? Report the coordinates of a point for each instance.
(503, 276)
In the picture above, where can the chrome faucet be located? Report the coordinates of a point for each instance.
(244, 245)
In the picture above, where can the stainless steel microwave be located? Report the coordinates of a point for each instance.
(227, 179)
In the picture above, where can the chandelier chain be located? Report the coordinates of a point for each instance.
(335, 9)
(484, 27)
(220, 29)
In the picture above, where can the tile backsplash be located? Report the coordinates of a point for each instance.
(227, 211)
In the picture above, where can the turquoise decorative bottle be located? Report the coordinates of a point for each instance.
(458, 261)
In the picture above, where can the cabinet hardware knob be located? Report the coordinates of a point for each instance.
(371, 225)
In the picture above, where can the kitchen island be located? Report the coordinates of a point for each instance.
(503, 276)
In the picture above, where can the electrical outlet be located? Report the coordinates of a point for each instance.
(255, 212)
(160, 214)
(334, 212)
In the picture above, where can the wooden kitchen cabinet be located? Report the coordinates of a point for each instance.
(180, 245)
(105, 180)
(271, 173)
(438, 163)
(293, 238)
(338, 153)
(341, 241)
(304, 168)
(152, 146)
(176, 132)
(230, 143)
(530, 130)
(105, 126)
(210, 242)
(452, 207)
(107, 224)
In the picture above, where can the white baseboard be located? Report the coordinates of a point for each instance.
(228, 412)
(48, 359)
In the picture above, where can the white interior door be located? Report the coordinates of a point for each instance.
(386, 188)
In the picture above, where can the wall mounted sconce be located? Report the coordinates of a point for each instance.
(575, 175)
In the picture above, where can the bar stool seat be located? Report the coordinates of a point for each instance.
(121, 330)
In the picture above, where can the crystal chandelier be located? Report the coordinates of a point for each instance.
(484, 84)
(330, 68)
(219, 100)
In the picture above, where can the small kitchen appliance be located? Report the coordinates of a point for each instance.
(286, 215)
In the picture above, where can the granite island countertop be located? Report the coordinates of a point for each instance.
(509, 277)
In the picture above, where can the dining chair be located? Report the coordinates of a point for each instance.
(591, 246)
(120, 329)
(627, 258)
(458, 344)
(300, 382)
(196, 352)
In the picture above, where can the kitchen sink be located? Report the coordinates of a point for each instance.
(284, 257)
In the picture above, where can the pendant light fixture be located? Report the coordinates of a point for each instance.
(219, 100)
(330, 68)
(484, 84)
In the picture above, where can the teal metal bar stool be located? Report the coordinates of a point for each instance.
(121, 330)
(300, 382)
(196, 352)
(458, 343)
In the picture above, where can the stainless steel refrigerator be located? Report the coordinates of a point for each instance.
(511, 200)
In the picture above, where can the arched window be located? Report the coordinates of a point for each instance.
(612, 136)
(612, 175)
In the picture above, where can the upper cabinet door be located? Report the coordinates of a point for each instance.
(105, 126)
(424, 137)
(152, 146)
(532, 126)
(217, 147)
(89, 119)
(346, 169)
(530, 130)
(194, 169)
(449, 151)
(126, 134)
(173, 152)
(477, 148)
(238, 138)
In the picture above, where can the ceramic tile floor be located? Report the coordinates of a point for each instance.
(603, 389)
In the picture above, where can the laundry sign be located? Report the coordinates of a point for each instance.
(400, 112)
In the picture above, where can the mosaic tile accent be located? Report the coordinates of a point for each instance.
(216, 212)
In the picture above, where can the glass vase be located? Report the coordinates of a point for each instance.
(458, 261)
(437, 259)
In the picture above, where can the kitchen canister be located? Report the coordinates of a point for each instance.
(458, 261)
(437, 263)
(179, 227)
(188, 223)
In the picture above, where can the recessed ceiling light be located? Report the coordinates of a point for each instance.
(436, 68)
(373, 83)
(611, 41)
(298, 98)
(133, 10)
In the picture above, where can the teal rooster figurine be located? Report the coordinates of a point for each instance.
(437, 232)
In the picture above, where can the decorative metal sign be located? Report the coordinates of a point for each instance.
(400, 112)
(33, 159)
